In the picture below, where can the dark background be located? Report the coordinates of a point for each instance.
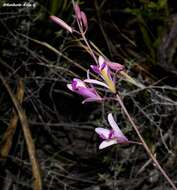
(140, 34)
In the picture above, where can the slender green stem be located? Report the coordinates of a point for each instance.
(144, 143)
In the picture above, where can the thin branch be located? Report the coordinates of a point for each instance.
(144, 143)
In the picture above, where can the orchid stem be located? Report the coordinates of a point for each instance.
(135, 142)
(144, 143)
(84, 38)
(88, 45)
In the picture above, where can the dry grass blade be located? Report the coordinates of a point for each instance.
(6, 142)
(55, 51)
(28, 137)
(132, 80)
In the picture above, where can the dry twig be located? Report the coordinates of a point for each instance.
(6, 142)
(28, 137)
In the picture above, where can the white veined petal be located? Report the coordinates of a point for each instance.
(103, 133)
(93, 81)
(107, 143)
(114, 126)
(101, 60)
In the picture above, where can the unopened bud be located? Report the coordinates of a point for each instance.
(61, 23)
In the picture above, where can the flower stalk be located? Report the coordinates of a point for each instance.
(104, 69)
(144, 143)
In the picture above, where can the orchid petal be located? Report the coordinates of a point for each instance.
(79, 82)
(115, 66)
(118, 133)
(107, 143)
(70, 87)
(101, 61)
(93, 81)
(92, 100)
(87, 92)
(103, 133)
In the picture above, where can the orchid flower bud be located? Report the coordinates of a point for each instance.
(77, 11)
(81, 17)
(84, 20)
(61, 23)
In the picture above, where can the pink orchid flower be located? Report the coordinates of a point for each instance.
(78, 86)
(103, 69)
(111, 136)
(62, 23)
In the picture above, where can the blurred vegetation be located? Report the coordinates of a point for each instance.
(140, 34)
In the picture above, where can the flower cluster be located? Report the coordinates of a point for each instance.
(105, 70)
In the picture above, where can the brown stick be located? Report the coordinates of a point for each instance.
(6, 142)
(144, 144)
(27, 136)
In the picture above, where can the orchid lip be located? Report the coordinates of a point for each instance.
(103, 66)
(95, 69)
